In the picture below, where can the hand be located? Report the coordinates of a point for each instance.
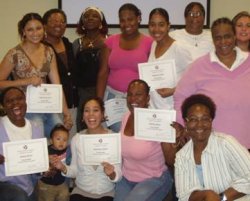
(56, 162)
(165, 92)
(211, 195)
(35, 81)
(67, 121)
(109, 170)
(1, 159)
(181, 134)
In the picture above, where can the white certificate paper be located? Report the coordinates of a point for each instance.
(26, 157)
(154, 125)
(98, 148)
(158, 74)
(46, 98)
(115, 109)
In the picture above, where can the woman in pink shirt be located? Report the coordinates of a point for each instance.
(120, 57)
(145, 174)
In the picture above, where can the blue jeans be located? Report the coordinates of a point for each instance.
(47, 121)
(12, 192)
(111, 94)
(153, 189)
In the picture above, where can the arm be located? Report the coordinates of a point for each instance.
(54, 79)
(6, 67)
(205, 195)
(239, 160)
(103, 72)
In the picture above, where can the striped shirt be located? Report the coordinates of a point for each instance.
(225, 163)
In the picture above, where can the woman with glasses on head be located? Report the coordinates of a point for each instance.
(198, 39)
(212, 166)
(223, 75)
(93, 30)
(55, 21)
(241, 23)
(32, 63)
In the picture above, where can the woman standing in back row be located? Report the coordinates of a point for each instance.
(120, 57)
(93, 29)
(31, 63)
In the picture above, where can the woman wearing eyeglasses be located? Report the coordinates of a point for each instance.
(198, 39)
(223, 75)
(212, 166)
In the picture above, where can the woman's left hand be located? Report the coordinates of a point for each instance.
(165, 92)
(67, 121)
(109, 170)
(181, 134)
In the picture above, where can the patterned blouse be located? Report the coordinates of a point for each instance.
(24, 67)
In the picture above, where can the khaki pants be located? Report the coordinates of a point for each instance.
(48, 192)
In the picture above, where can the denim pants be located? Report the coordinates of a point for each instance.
(153, 189)
(111, 94)
(46, 120)
(14, 193)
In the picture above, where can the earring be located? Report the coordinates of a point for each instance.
(45, 34)
(100, 27)
(83, 28)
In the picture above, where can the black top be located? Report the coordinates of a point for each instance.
(88, 66)
(67, 74)
(57, 179)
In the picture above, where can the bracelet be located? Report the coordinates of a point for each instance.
(223, 197)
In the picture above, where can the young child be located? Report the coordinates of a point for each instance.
(93, 182)
(52, 186)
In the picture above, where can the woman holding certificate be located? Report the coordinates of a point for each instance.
(165, 48)
(93, 182)
(121, 55)
(14, 127)
(31, 63)
(145, 174)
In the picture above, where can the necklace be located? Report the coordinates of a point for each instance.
(91, 43)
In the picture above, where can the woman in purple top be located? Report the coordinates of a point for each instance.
(14, 127)
(223, 75)
(120, 57)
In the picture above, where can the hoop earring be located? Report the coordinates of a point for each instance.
(100, 27)
(83, 28)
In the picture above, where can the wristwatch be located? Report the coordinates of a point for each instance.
(223, 197)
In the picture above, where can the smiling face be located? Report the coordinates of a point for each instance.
(194, 20)
(224, 39)
(199, 123)
(242, 28)
(129, 22)
(59, 140)
(158, 27)
(93, 115)
(33, 31)
(14, 104)
(91, 20)
(137, 96)
(56, 25)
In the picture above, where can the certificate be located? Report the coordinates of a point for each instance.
(115, 109)
(25, 157)
(98, 148)
(154, 124)
(46, 98)
(158, 74)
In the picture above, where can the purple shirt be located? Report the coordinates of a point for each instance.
(230, 90)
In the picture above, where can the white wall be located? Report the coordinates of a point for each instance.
(12, 11)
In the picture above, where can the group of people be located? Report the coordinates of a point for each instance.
(210, 96)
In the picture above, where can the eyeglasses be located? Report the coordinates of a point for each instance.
(203, 120)
(195, 14)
